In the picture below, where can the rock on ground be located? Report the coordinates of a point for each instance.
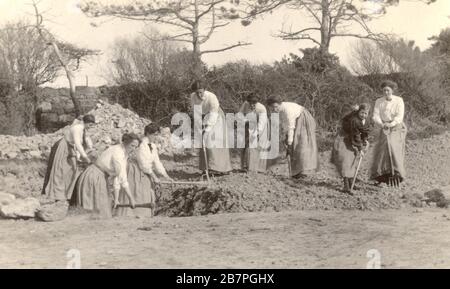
(20, 208)
(53, 212)
(6, 199)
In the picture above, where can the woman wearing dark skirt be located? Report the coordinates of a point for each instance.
(142, 175)
(351, 141)
(299, 127)
(62, 169)
(91, 190)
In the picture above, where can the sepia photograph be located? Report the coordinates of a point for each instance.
(242, 135)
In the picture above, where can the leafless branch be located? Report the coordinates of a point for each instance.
(226, 48)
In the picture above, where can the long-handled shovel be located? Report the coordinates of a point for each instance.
(393, 181)
(356, 172)
(184, 183)
(206, 159)
(289, 165)
(146, 206)
(288, 156)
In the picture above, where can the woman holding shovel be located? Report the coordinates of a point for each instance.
(211, 127)
(256, 132)
(351, 144)
(389, 153)
(299, 128)
(62, 169)
(142, 175)
(91, 190)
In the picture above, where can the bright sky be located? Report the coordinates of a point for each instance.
(414, 21)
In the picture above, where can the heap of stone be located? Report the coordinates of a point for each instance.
(112, 120)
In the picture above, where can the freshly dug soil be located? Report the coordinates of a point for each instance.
(253, 192)
(426, 163)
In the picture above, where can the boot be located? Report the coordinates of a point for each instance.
(346, 185)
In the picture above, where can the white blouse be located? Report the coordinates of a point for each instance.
(113, 161)
(148, 160)
(210, 105)
(289, 112)
(74, 136)
(389, 110)
(260, 110)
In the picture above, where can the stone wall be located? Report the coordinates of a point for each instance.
(56, 109)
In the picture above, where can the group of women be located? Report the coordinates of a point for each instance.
(133, 178)
(296, 123)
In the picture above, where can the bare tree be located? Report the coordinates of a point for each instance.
(331, 18)
(194, 21)
(142, 59)
(25, 60)
(368, 57)
(68, 55)
(150, 74)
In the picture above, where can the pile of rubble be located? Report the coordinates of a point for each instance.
(112, 120)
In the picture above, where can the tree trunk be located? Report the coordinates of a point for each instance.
(76, 102)
(325, 27)
(197, 54)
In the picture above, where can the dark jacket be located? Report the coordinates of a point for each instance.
(356, 133)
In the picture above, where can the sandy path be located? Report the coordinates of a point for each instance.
(301, 239)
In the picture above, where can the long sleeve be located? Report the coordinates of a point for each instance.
(399, 112)
(213, 113)
(376, 113)
(290, 129)
(195, 102)
(77, 132)
(355, 132)
(159, 167)
(148, 160)
(144, 157)
(262, 118)
(289, 113)
(119, 164)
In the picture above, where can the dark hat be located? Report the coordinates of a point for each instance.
(89, 118)
(274, 99)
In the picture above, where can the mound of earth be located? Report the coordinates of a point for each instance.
(112, 120)
(252, 192)
(426, 164)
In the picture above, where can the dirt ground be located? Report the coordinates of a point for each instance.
(305, 224)
(301, 239)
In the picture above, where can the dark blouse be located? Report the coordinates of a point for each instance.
(355, 131)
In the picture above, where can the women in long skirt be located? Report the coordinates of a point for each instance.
(254, 114)
(142, 174)
(351, 142)
(91, 190)
(212, 129)
(62, 169)
(299, 127)
(389, 151)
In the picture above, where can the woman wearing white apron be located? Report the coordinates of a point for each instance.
(213, 130)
